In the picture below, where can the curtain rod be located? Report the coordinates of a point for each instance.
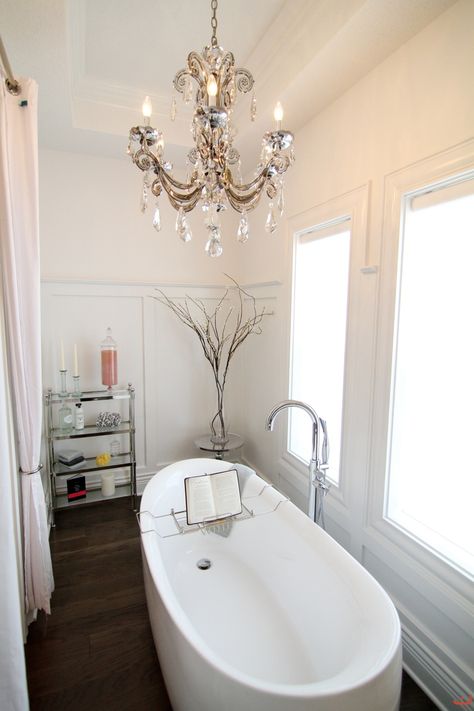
(12, 85)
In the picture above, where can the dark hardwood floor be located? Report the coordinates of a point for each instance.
(95, 651)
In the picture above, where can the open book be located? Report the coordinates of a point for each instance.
(212, 496)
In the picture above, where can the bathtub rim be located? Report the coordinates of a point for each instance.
(325, 687)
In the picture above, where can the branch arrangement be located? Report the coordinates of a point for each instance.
(220, 332)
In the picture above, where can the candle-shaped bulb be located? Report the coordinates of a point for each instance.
(278, 114)
(212, 85)
(146, 110)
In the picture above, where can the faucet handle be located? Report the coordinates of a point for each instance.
(325, 445)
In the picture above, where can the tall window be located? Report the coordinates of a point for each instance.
(320, 294)
(430, 483)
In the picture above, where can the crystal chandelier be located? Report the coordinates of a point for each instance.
(214, 180)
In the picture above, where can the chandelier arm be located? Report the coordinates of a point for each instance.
(247, 187)
(146, 160)
(187, 202)
(166, 177)
(197, 68)
(241, 203)
(244, 81)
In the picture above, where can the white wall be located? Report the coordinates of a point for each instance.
(92, 227)
(417, 103)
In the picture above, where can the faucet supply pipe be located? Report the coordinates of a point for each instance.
(318, 464)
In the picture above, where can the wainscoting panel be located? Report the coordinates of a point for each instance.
(162, 358)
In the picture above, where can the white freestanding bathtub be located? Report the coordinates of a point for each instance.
(284, 619)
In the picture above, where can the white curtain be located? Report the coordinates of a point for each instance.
(19, 241)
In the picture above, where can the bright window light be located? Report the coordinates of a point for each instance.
(430, 489)
(320, 292)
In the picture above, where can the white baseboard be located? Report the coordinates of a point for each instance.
(437, 680)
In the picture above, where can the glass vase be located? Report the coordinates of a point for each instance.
(219, 430)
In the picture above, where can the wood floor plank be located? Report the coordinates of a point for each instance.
(96, 651)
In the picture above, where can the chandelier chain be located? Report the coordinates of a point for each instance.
(214, 23)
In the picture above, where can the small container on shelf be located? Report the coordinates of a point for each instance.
(115, 447)
(79, 417)
(107, 483)
(65, 418)
(108, 359)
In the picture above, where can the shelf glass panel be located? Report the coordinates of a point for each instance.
(90, 395)
(91, 431)
(121, 460)
(121, 490)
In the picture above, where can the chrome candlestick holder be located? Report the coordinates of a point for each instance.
(63, 389)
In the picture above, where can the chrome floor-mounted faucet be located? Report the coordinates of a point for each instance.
(318, 465)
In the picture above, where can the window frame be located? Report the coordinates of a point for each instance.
(352, 207)
(403, 185)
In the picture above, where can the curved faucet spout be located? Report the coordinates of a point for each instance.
(311, 412)
(317, 465)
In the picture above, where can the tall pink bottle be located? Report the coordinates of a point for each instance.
(108, 358)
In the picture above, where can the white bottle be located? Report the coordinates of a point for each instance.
(79, 417)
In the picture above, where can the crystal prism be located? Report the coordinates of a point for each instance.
(180, 222)
(280, 199)
(188, 90)
(173, 109)
(270, 224)
(157, 218)
(243, 230)
(144, 200)
(253, 108)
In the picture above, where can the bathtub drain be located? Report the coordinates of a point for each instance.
(204, 564)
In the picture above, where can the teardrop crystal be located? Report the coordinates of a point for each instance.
(243, 230)
(271, 224)
(280, 199)
(186, 235)
(157, 218)
(214, 247)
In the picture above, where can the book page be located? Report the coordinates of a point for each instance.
(225, 487)
(199, 499)
(212, 496)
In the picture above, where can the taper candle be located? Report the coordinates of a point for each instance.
(76, 364)
(63, 363)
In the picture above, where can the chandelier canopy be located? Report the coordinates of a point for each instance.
(214, 173)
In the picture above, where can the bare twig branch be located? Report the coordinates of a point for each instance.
(220, 333)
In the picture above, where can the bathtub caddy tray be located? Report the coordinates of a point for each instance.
(175, 523)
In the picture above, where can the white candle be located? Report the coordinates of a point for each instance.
(63, 364)
(76, 364)
(108, 483)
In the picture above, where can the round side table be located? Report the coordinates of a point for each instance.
(204, 443)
